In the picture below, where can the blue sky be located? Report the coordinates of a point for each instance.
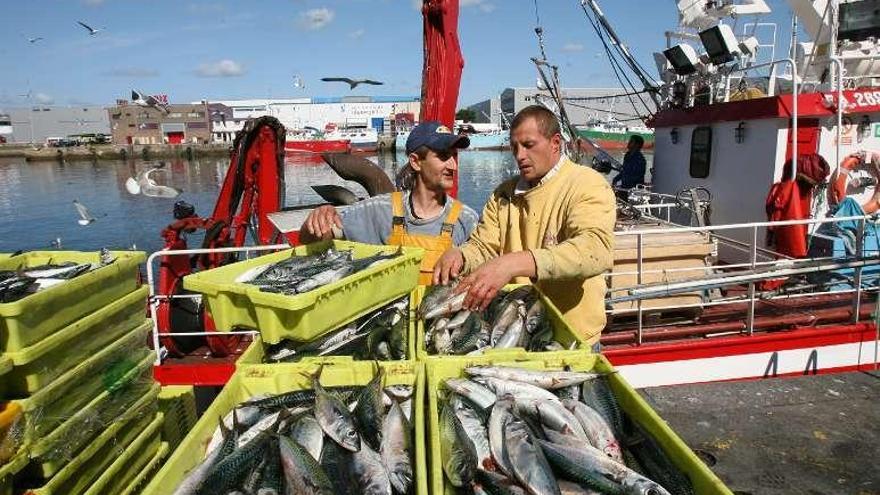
(223, 49)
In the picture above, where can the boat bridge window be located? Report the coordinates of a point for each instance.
(701, 152)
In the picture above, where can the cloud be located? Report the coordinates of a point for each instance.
(43, 98)
(132, 72)
(357, 34)
(315, 19)
(572, 47)
(222, 68)
(93, 3)
(416, 5)
(487, 7)
(206, 8)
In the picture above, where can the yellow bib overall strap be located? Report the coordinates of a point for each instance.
(434, 245)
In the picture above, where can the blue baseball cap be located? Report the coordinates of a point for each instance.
(435, 136)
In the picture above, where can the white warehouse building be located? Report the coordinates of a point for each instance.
(378, 112)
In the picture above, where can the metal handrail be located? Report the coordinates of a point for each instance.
(154, 298)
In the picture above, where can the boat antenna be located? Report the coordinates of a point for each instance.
(553, 86)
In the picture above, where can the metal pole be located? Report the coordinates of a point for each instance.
(860, 254)
(754, 256)
(639, 281)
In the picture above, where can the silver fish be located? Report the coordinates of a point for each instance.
(301, 471)
(498, 419)
(527, 459)
(517, 389)
(481, 396)
(334, 418)
(370, 473)
(308, 433)
(598, 430)
(546, 379)
(395, 449)
(474, 427)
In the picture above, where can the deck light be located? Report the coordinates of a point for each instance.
(739, 132)
(673, 135)
(683, 58)
(720, 43)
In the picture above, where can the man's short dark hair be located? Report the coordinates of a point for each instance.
(548, 125)
(639, 140)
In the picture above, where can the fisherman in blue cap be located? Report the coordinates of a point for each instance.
(420, 214)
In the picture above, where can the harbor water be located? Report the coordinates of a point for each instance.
(37, 211)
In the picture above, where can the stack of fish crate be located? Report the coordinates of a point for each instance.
(78, 404)
(260, 392)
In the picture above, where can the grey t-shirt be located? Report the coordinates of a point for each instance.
(369, 221)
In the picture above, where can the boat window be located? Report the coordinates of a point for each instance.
(701, 152)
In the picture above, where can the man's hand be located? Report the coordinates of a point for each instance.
(320, 222)
(483, 284)
(448, 266)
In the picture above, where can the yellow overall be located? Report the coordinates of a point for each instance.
(434, 245)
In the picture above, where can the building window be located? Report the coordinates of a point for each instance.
(701, 152)
(196, 114)
(175, 115)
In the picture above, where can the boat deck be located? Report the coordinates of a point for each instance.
(803, 435)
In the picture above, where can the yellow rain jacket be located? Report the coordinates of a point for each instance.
(567, 222)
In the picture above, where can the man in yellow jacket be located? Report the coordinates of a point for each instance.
(553, 225)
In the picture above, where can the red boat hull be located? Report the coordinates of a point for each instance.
(318, 146)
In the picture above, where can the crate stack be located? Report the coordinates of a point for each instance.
(78, 404)
(310, 315)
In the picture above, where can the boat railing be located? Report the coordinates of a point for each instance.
(740, 72)
(759, 264)
(155, 299)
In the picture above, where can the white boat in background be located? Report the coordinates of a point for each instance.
(5, 128)
(361, 138)
(482, 137)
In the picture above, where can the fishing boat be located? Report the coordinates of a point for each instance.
(361, 138)
(613, 135)
(311, 140)
(5, 128)
(753, 252)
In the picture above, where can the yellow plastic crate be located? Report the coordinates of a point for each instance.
(256, 351)
(279, 378)
(39, 315)
(141, 479)
(129, 461)
(8, 472)
(38, 365)
(52, 451)
(178, 404)
(705, 482)
(5, 367)
(305, 316)
(64, 397)
(90, 462)
(562, 331)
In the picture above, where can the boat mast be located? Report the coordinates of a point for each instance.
(631, 62)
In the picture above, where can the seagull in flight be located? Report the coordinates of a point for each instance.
(85, 217)
(35, 39)
(92, 31)
(352, 82)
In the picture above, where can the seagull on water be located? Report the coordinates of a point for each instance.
(84, 214)
(92, 31)
(352, 82)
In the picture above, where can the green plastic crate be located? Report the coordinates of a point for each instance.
(38, 365)
(8, 472)
(256, 352)
(93, 459)
(51, 452)
(39, 315)
(178, 404)
(5, 367)
(64, 397)
(137, 484)
(278, 378)
(705, 482)
(562, 331)
(305, 316)
(130, 460)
